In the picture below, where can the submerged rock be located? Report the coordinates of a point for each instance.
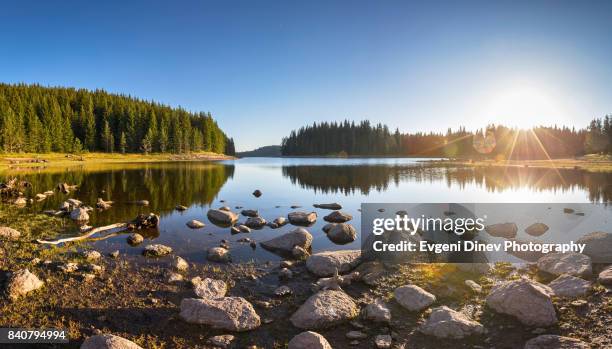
(529, 301)
(228, 313)
(257, 193)
(249, 213)
(209, 288)
(308, 340)
(570, 286)
(7, 233)
(598, 246)
(280, 221)
(156, 250)
(575, 264)
(332, 206)
(536, 229)
(108, 341)
(285, 243)
(218, 254)
(550, 341)
(135, 239)
(220, 217)
(413, 297)
(342, 233)
(195, 224)
(504, 230)
(22, 282)
(79, 214)
(326, 263)
(325, 309)
(338, 217)
(302, 218)
(444, 322)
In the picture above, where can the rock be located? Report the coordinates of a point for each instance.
(220, 217)
(327, 227)
(218, 254)
(299, 253)
(377, 311)
(338, 217)
(257, 193)
(7, 233)
(114, 254)
(255, 222)
(135, 239)
(234, 230)
(605, 277)
(302, 218)
(179, 264)
(228, 313)
(195, 224)
(20, 201)
(326, 263)
(108, 341)
(356, 335)
(325, 309)
(180, 208)
(598, 246)
(504, 230)
(91, 255)
(444, 322)
(342, 233)
(250, 213)
(282, 291)
(40, 197)
(285, 243)
(156, 250)
(309, 340)
(568, 210)
(383, 341)
(244, 229)
(285, 273)
(172, 277)
(225, 208)
(475, 287)
(413, 297)
(68, 267)
(551, 341)
(333, 206)
(222, 341)
(49, 193)
(103, 205)
(21, 282)
(280, 221)
(569, 286)
(371, 272)
(536, 229)
(209, 288)
(529, 301)
(79, 214)
(335, 282)
(575, 264)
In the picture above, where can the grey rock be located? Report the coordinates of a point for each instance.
(504, 230)
(209, 288)
(250, 213)
(570, 286)
(285, 243)
(383, 341)
(575, 264)
(598, 246)
(22, 282)
(135, 239)
(605, 277)
(218, 254)
(108, 341)
(255, 222)
(91, 255)
(413, 297)
(156, 250)
(7, 233)
(550, 341)
(377, 311)
(302, 218)
(529, 301)
(536, 229)
(280, 221)
(444, 322)
(195, 224)
(257, 193)
(338, 217)
(332, 206)
(325, 309)
(228, 313)
(79, 214)
(220, 217)
(282, 291)
(179, 264)
(326, 263)
(299, 252)
(222, 341)
(475, 287)
(342, 233)
(309, 340)
(356, 335)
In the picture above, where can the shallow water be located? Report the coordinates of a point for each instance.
(291, 181)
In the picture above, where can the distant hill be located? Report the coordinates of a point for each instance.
(267, 151)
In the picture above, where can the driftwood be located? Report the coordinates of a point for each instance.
(122, 226)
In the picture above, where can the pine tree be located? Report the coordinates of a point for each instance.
(107, 138)
(123, 143)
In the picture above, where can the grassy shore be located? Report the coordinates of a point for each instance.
(61, 159)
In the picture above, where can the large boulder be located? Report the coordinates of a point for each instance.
(21, 282)
(605, 277)
(444, 322)
(302, 218)
(413, 297)
(209, 288)
(222, 217)
(570, 286)
(285, 243)
(341, 233)
(338, 217)
(551, 341)
(229, 313)
(108, 341)
(7, 233)
(504, 230)
(529, 301)
(326, 263)
(325, 309)
(575, 264)
(309, 340)
(156, 250)
(598, 246)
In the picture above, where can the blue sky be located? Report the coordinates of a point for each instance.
(266, 67)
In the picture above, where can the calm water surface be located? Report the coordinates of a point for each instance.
(286, 182)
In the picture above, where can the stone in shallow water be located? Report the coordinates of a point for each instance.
(549, 341)
(325, 309)
(309, 340)
(195, 224)
(332, 206)
(342, 233)
(575, 264)
(536, 229)
(570, 286)
(529, 301)
(220, 217)
(228, 313)
(338, 217)
(135, 239)
(156, 250)
(413, 297)
(326, 263)
(302, 218)
(255, 222)
(285, 243)
(250, 213)
(444, 322)
(504, 230)
(108, 341)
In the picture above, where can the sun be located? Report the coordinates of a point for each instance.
(523, 106)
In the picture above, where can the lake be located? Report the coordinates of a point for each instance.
(286, 182)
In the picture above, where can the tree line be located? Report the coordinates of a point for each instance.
(41, 119)
(494, 141)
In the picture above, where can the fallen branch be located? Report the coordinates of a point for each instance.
(122, 226)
